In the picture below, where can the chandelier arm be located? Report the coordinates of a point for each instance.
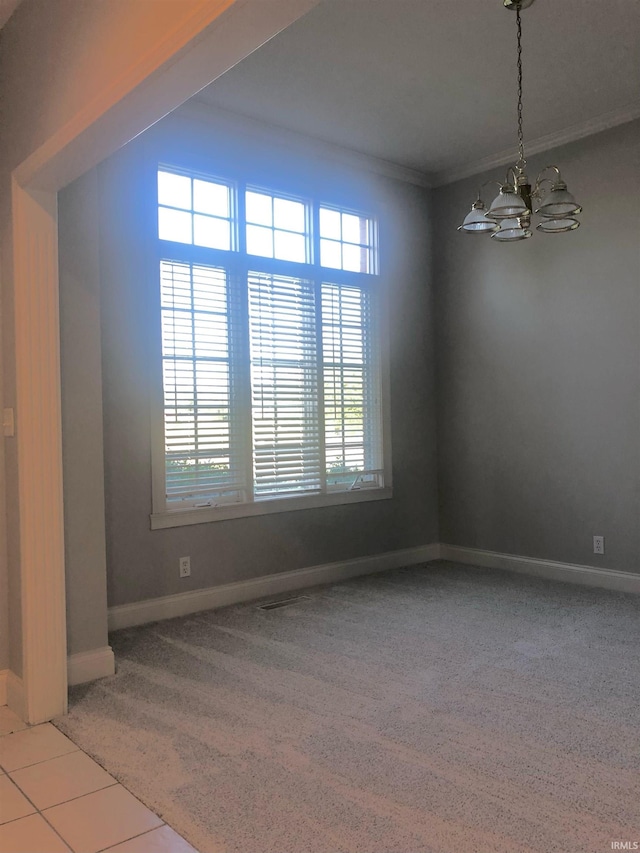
(546, 169)
(514, 171)
(508, 218)
(537, 189)
(486, 184)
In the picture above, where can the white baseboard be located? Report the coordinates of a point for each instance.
(88, 666)
(571, 572)
(81, 667)
(169, 606)
(15, 694)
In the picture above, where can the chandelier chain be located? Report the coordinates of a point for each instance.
(521, 160)
(509, 216)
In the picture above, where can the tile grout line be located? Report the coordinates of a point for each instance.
(68, 843)
(56, 832)
(76, 748)
(64, 802)
(139, 835)
(37, 811)
(44, 760)
(41, 812)
(30, 801)
(122, 785)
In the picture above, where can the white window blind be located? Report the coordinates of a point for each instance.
(271, 374)
(351, 383)
(284, 386)
(201, 449)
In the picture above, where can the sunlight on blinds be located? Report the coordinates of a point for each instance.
(200, 464)
(272, 380)
(350, 398)
(284, 380)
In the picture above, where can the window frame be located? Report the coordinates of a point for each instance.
(240, 264)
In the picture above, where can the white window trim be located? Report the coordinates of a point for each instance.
(201, 515)
(163, 518)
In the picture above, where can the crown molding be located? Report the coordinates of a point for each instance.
(543, 143)
(199, 110)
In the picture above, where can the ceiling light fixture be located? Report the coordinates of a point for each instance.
(509, 216)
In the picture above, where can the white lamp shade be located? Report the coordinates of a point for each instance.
(507, 205)
(558, 226)
(559, 202)
(511, 231)
(476, 222)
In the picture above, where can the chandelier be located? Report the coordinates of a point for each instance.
(509, 216)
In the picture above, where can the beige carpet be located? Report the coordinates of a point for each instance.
(437, 708)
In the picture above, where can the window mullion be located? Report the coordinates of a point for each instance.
(194, 379)
(308, 325)
(240, 212)
(320, 387)
(242, 378)
(317, 282)
(242, 346)
(374, 437)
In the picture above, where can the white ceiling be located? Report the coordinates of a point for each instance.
(430, 84)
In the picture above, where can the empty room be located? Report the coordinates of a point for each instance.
(320, 525)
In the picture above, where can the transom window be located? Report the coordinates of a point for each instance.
(194, 210)
(347, 241)
(271, 353)
(277, 227)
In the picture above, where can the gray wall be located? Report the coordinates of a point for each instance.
(143, 563)
(57, 59)
(82, 441)
(538, 349)
(538, 353)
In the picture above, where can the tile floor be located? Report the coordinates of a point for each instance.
(55, 799)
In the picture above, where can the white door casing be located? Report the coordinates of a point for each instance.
(212, 38)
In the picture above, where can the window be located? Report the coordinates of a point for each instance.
(191, 210)
(276, 227)
(346, 241)
(271, 353)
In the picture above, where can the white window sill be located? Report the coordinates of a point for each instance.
(205, 515)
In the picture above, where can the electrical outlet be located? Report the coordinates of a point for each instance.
(185, 567)
(598, 544)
